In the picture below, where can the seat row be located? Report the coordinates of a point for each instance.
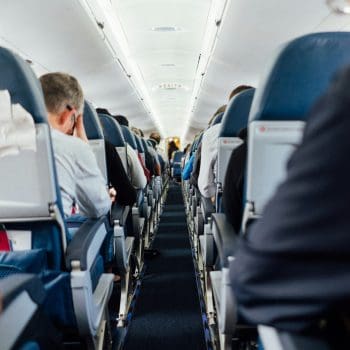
(274, 116)
(69, 287)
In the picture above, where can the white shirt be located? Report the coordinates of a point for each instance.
(209, 154)
(79, 176)
(137, 176)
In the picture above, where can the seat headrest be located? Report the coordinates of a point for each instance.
(177, 156)
(17, 77)
(112, 131)
(139, 144)
(129, 136)
(92, 123)
(298, 75)
(144, 144)
(217, 119)
(236, 115)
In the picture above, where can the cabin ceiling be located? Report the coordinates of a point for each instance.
(164, 40)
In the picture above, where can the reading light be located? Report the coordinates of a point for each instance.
(339, 6)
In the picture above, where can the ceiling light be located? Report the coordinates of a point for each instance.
(107, 21)
(167, 65)
(339, 6)
(166, 29)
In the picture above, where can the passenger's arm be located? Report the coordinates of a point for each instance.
(186, 173)
(206, 183)
(92, 196)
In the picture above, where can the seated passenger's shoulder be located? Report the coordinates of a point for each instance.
(68, 143)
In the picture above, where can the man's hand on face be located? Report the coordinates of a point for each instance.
(79, 130)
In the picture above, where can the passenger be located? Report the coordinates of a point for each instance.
(156, 163)
(232, 196)
(126, 193)
(292, 268)
(171, 149)
(196, 162)
(117, 177)
(121, 120)
(136, 172)
(79, 176)
(209, 153)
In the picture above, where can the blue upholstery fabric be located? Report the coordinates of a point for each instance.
(30, 261)
(144, 143)
(177, 156)
(58, 303)
(92, 123)
(112, 130)
(17, 77)
(289, 88)
(129, 136)
(139, 144)
(30, 346)
(236, 115)
(45, 235)
(217, 119)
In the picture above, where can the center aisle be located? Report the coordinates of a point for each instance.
(167, 313)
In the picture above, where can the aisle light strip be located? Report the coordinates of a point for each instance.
(217, 12)
(101, 11)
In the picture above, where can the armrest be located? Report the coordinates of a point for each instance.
(86, 243)
(225, 237)
(13, 285)
(208, 207)
(120, 213)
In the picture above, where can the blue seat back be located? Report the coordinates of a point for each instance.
(139, 144)
(112, 130)
(31, 201)
(113, 134)
(176, 166)
(236, 115)
(140, 148)
(94, 133)
(129, 137)
(234, 120)
(297, 76)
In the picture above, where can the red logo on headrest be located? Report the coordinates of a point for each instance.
(262, 129)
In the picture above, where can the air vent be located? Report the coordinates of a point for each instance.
(166, 29)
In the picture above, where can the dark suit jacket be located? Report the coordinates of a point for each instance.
(293, 266)
(126, 193)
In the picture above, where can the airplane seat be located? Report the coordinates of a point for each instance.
(299, 73)
(217, 119)
(140, 148)
(24, 295)
(113, 134)
(94, 133)
(129, 137)
(295, 78)
(234, 120)
(176, 165)
(31, 210)
(123, 246)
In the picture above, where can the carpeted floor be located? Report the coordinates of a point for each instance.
(167, 313)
